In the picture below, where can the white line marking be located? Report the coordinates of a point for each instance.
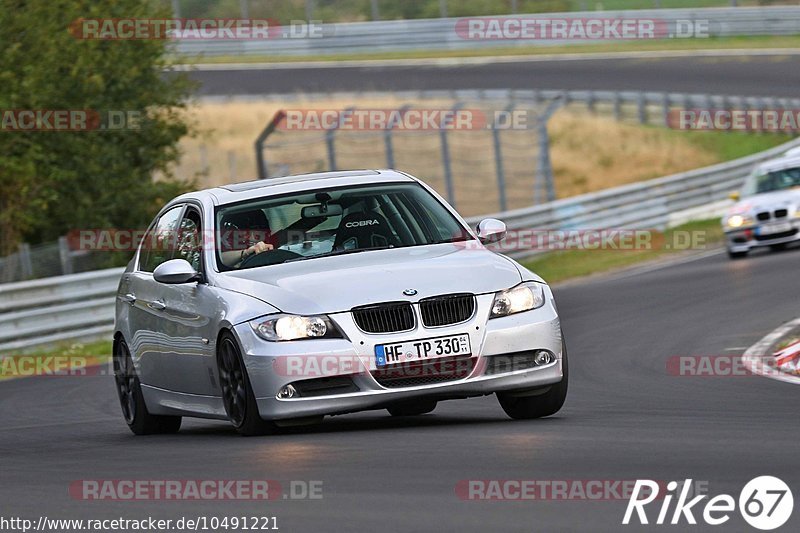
(753, 357)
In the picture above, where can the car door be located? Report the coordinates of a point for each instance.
(147, 339)
(186, 318)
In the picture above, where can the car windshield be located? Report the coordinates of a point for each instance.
(311, 224)
(777, 180)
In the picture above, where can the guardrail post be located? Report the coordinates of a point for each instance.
(498, 161)
(64, 255)
(641, 106)
(545, 166)
(448, 170)
(590, 101)
(666, 110)
(387, 139)
(329, 138)
(25, 265)
(261, 162)
(376, 15)
(617, 107)
(309, 10)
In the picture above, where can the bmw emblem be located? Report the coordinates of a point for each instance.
(410, 292)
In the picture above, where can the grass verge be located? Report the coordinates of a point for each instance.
(65, 359)
(571, 264)
(721, 43)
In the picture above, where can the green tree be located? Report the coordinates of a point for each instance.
(52, 182)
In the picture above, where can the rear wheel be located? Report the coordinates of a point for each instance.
(129, 389)
(778, 247)
(237, 394)
(528, 405)
(416, 408)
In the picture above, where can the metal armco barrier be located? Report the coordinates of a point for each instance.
(441, 34)
(80, 306)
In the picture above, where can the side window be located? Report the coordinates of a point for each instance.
(160, 243)
(190, 242)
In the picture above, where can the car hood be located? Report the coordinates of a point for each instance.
(338, 283)
(767, 202)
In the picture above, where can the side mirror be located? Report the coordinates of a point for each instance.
(735, 196)
(175, 271)
(491, 230)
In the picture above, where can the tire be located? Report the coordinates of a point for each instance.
(541, 405)
(131, 400)
(417, 408)
(237, 394)
(737, 255)
(778, 247)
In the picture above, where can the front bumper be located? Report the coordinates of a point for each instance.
(746, 239)
(273, 365)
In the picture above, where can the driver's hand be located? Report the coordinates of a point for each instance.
(258, 248)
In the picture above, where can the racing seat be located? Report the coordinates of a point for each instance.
(240, 230)
(363, 229)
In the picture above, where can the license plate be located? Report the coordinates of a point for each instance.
(422, 350)
(779, 227)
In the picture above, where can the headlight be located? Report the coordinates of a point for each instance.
(294, 327)
(521, 298)
(738, 221)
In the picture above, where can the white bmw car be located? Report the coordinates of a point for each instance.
(277, 302)
(767, 211)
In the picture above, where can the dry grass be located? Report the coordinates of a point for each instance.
(589, 152)
(593, 152)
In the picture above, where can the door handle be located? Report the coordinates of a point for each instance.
(129, 299)
(158, 305)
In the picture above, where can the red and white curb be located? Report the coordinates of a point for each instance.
(783, 365)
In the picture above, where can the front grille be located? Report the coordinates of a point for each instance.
(384, 318)
(781, 213)
(418, 374)
(325, 386)
(446, 310)
(763, 216)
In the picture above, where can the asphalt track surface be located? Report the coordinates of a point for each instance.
(626, 417)
(777, 75)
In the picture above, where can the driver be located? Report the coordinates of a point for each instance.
(244, 235)
(234, 258)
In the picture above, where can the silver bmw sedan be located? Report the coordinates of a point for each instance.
(277, 302)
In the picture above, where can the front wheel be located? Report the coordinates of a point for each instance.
(737, 255)
(129, 389)
(237, 394)
(538, 405)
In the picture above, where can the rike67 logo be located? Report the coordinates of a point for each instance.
(765, 503)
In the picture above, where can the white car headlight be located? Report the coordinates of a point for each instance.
(294, 327)
(521, 298)
(739, 221)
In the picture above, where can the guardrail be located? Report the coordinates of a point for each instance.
(440, 34)
(651, 204)
(62, 308)
(79, 306)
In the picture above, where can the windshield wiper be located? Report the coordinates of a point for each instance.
(339, 252)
